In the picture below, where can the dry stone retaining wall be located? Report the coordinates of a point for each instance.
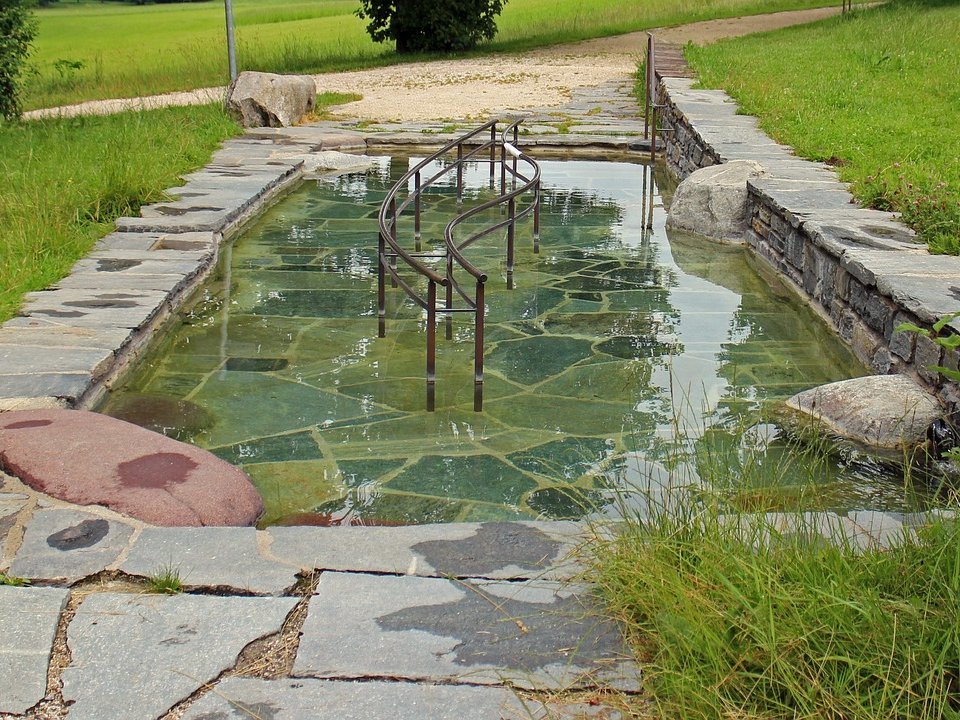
(861, 269)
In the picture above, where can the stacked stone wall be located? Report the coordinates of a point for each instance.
(860, 269)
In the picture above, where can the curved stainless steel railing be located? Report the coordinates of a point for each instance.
(495, 151)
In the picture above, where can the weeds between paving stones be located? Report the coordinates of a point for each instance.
(268, 658)
(13, 581)
(165, 581)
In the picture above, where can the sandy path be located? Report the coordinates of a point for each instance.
(475, 87)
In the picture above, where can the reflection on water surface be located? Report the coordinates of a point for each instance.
(612, 334)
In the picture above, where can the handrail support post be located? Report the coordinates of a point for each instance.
(478, 349)
(431, 345)
(416, 212)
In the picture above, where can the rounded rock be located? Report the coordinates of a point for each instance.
(91, 459)
(889, 412)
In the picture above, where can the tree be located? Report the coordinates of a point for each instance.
(17, 29)
(431, 25)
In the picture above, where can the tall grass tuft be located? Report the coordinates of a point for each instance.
(747, 615)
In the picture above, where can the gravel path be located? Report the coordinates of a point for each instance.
(475, 87)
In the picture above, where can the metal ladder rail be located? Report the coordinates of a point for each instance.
(389, 249)
(455, 249)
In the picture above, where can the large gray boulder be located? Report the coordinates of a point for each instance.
(713, 201)
(887, 412)
(259, 99)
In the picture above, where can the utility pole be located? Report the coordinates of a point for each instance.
(231, 48)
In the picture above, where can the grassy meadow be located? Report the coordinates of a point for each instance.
(876, 92)
(66, 181)
(88, 50)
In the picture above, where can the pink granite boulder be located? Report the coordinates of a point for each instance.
(92, 459)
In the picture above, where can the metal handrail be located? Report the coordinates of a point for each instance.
(390, 250)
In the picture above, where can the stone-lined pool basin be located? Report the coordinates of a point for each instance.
(612, 332)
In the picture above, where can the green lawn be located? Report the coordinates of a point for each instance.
(66, 181)
(91, 50)
(877, 93)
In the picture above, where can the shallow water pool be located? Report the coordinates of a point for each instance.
(615, 334)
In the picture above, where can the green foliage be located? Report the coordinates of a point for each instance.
(873, 92)
(17, 29)
(65, 181)
(431, 25)
(948, 341)
(13, 580)
(165, 581)
(733, 618)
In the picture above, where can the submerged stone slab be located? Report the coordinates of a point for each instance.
(532, 634)
(303, 699)
(490, 550)
(883, 411)
(28, 624)
(91, 459)
(68, 545)
(135, 656)
(209, 557)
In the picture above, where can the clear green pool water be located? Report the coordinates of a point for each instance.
(611, 333)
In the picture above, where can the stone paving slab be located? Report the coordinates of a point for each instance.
(135, 656)
(877, 530)
(488, 550)
(209, 557)
(91, 279)
(90, 308)
(187, 255)
(126, 241)
(532, 634)
(42, 386)
(49, 359)
(111, 267)
(68, 545)
(302, 699)
(60, 337)
(28, 624)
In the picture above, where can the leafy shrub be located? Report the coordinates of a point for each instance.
(17, 29)
(431, 25)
